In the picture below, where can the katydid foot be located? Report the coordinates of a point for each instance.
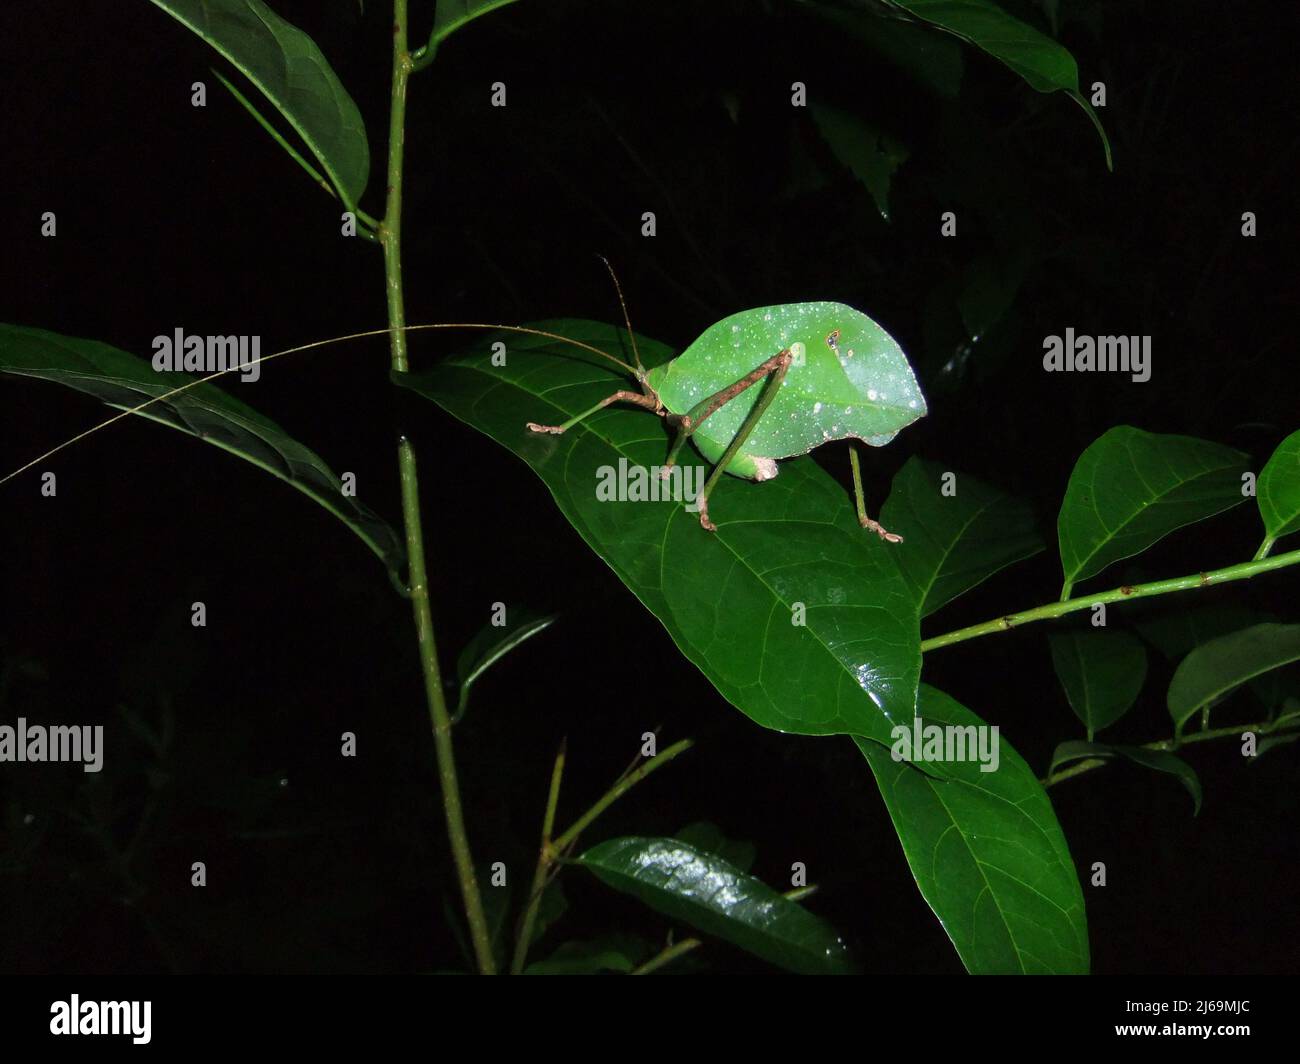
(879, 529)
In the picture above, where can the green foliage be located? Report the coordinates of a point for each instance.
(285, 64)
(987, 854)
(124, 381)
(704, 891)
(1102, 673)
(1131, 488)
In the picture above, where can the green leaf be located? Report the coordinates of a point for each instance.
(491, 645)
(285, 64)
(709, 838)
(869, 153)
(1131, 488)
(1159, 760)
(451, 15)
(987, 853)
(1271, 742)
(123, 381)
(1175, 631)
(700, 889)
(931, 60)
(1102, 673)
(613, 953)
(1212, 671)
(728, 599)
(952, 542)
(1045, 64)
(1279, 489)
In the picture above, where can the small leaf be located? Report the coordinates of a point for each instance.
(872, 155)
(1131, 488)
(676, 879)
(1160, 760)
(1212, 671)
(124, 381)
(987, 853)
(491, 645)
(953, 542)
(1102, 673)
(290, 70)
(1279, 489)
(451, 15)
(613, 953)
(1270, 742)
(1045, 64)
(1179, 629)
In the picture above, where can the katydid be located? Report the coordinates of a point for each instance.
(828, 372)
(757, 386)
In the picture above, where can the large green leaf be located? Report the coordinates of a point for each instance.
(1279, 489)
(703, 890)
(952, 542)
(285, 64)
(786, 550)
(451, 15)
(1213, 670)
(1044, 63)
(1131, 488)
(124, 381)
(1102, 673)
(987, 853)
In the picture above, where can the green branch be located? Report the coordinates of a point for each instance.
(1243, 571)
(1169, 745)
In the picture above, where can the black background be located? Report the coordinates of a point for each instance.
(174, 216)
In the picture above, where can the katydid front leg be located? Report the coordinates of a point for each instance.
(774, 369)
(649, 402)
(860, 499)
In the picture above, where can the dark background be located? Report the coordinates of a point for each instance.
(169, 215)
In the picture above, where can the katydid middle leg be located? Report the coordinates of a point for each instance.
(860, 499)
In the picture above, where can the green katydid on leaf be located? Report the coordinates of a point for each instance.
(844, 378)
(796, 616)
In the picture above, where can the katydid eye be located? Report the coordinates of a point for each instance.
(832, 341)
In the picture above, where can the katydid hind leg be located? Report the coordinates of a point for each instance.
(775, 369)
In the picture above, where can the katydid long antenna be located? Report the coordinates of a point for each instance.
(627, 320)
(638, 372)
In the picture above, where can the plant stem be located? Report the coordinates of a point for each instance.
(617, 791)
(667, 956)
(390, 233)
(1242, 571)
(544, 854)
(1230, 731)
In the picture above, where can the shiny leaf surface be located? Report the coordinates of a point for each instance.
(701, 889)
